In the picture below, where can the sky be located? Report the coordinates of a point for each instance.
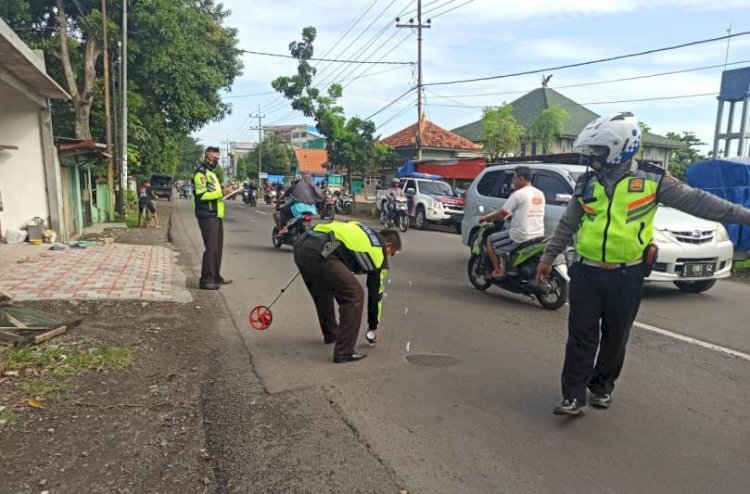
(483, 38)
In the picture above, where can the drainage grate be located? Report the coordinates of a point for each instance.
(427, 360)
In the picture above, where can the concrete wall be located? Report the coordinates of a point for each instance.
(22, 175)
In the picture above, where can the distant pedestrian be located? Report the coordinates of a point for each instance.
(146, 203)
(209, 209)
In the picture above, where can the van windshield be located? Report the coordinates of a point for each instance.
(158, 181)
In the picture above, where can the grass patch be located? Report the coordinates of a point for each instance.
(131, 219)
(43, 387)
(6, 418)
(56, 360)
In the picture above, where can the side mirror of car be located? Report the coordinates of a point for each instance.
(410, 190)
(564, 198)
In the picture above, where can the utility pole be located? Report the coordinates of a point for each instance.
(260, 140)
(418, 26)
(108, 116)
(124, 87)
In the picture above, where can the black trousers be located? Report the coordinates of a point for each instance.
(328, 280)
(603, 306)
(212, 231)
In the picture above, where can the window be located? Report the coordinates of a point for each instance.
(410, 185)
(436, 189)
(488, 184)
(550, 185)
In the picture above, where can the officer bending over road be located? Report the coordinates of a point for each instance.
(326, 257)
(613, 211)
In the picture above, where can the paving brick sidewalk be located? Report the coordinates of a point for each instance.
(115, 271)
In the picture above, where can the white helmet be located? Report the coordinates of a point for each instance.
(619, 133)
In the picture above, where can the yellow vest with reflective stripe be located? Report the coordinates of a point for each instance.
(361, 240)
(617, 229)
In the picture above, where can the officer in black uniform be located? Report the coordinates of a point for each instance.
(209, 209)
(613, 213)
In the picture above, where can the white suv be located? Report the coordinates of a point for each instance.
(693, 253)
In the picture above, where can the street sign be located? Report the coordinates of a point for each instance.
(263, 175)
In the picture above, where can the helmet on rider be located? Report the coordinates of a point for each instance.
(610, 140)
(395, 182)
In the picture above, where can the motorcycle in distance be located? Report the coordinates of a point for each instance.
(269, 197)
(186, 191)
(327, 208)
(396, 214)
(520, 269)
(343, 203)
(250, 197)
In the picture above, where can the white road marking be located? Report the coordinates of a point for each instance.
(410, 283)
(408, 345)
(406, 311)
(260, 212)
(694, 341)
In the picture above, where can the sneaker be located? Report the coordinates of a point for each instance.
(602, 400)
(569, 407)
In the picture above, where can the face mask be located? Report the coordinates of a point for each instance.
(211, 165)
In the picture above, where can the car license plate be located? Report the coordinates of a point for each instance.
(698, 269)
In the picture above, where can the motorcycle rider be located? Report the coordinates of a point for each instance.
(394, 192)
(303, 196)
(526, 205)
(613, 212)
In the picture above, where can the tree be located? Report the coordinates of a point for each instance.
(645, 129)
(549, 124)
(684, 156)
(501, 133)
(276, 157)
(180, 59)
(247, 168)
(350, 143)
(190, 154)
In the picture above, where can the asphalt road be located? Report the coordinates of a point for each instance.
(458, 395)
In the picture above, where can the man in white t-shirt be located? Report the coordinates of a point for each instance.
(526, 205)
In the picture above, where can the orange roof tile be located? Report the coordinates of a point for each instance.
(311, 160)
(433, 136)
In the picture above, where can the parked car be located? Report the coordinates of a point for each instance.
(161, 185)
(693, 253)
(432, 201)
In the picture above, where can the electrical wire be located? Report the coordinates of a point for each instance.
(590, 62)
(657, 98)
(332, 60)
(451, 10)
(390, 104)
(403, 111)
(595, 83)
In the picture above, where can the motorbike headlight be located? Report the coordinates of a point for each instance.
(721, 233)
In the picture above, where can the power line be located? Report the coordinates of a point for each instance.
(332, 60)
(390, 104)
(590, 62)
(403, 111)
(657, 98)
(451, 10)
(594, 83)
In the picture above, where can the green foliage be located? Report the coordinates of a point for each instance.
(180, 57)
(350, 143)
(549, 124)
(645, 129)
(191, 154)
(57, 360)
(501, 133)
(246, 168)
(276, 157)
(684, 156)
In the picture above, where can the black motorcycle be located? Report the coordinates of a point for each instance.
(250, 197)
(343, 203)
(296, 228)
(395, 213)
(327, 208)
(520, 269)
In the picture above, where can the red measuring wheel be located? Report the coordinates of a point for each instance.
(261, 317)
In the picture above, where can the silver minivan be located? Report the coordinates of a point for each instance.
(492, 187)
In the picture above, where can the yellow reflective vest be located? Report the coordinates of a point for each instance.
(209, 202)
(617, 229)
(362, 249)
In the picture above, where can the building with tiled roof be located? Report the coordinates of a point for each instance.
(437, 142)
(529, 106)
(311, 160)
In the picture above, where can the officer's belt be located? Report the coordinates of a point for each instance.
(607, 265)
(325, 241)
